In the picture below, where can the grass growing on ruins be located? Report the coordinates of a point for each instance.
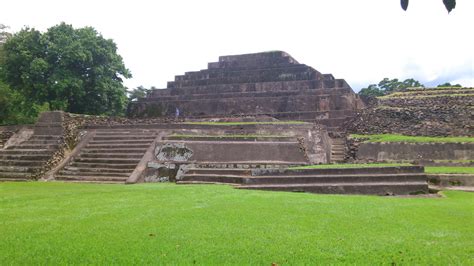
(245, 123)
(413, 139)
(449, 170)
(349, 165)
(60, 223)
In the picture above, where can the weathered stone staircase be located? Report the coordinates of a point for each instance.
(338, 150)
(21, 162)
(109, 157)
(379, 181)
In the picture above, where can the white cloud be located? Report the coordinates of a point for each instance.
(362, 41)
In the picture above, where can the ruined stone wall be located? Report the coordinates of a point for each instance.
(433, 113)
(414, 151)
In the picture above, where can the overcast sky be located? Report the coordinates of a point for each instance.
(361, 41)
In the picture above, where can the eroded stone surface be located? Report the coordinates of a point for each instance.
(176, 152)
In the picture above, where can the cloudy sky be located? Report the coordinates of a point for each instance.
(361, 41)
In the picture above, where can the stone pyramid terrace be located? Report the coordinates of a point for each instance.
(262, 84)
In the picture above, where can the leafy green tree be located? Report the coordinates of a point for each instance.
(138, 92)
(387, 86)
(372, 91)
(449, 4)
(447, 84)
(75, 70)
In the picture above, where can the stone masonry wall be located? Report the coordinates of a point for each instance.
(430, 115)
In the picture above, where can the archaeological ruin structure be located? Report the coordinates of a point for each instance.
(262, 84)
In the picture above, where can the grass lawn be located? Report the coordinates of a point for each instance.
(449, 170)
(415, 139)
(350, 165)
(58, 223)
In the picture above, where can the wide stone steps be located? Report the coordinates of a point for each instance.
(248, 180)
(377, 180)
(93, 173)
(110, 156)
(376, 188)
(98, 179)
(106, 160)
(26, 151)
(20, 163)
(40, 157)
(27, 146)
(122, 146)
(111, 151)
(104, 165)
(230, 138)
(97, 170)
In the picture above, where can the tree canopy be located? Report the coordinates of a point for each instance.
(76, 70)
(386, 86)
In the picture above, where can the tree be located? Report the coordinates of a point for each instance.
(387, 86)
(4, 34)
(449, 4)
(75, 70)
(447, 84)
(138, 92)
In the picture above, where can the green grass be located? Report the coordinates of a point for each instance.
(349, 165)
(413, 139)
(449, 170)
(246, 123)
(57, 224)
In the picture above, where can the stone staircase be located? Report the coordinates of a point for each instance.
(378, 181)
(109, 157)
(20, 162)
(338, 150)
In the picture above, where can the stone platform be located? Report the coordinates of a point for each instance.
(263, 84)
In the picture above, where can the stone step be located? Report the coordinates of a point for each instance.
(34, 146)
(112, 142)
(91, 173)
(230, 142)
(107, 160)
(26, 151)
(119, 132)
(15, 175)
(117, 146)
(97, 169)
(124, 137)
(120, 179)
(40, 142)
(359, 178)
(218, 171)
(18, 169)
(111, 155)
(21, 163)
(338, 142)
(375, 188)
(251, 180)
(33, 157)
(208, 178)
(14, 179)
(343, 171)
(268, 165)
(103, 165)
(225, 138)
(131, 150)
(45, 137)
